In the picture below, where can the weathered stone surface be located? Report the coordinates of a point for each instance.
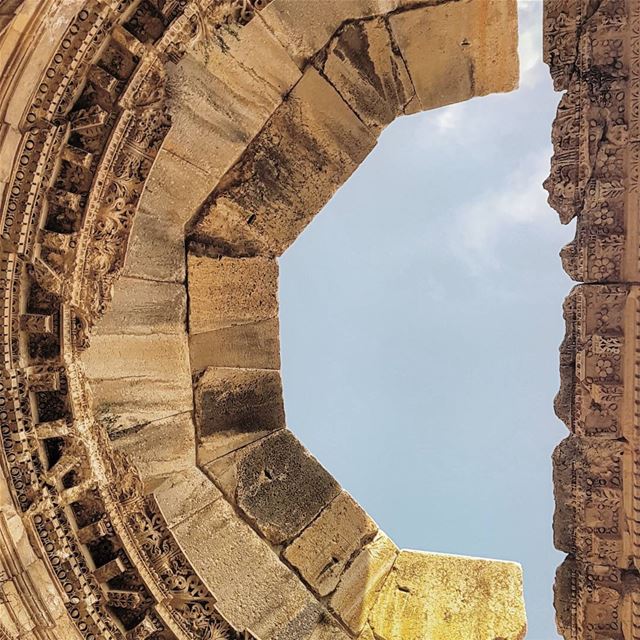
(156, 248)
(590, 517)
(312, 144)
(368, 73)
(231, 291)
(160, 449)
(277, 483)
(304, 31)
(222, 94)
(321, 552)
(439, 597)
(252, 586)
(145, 307)
(138, 379)
(235, 407)
(185, 493)
(360, 584)
(255, 345)
(465, 59)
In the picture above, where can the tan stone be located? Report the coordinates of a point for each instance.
(222, 94)
(321, 552)
(277, 483)
(310, 146)
(303, 30)
(368, 73)
(255, 345)
(431, 596)
(156, 248)
(235, 407)
(160, 449)
(138, 379)
(252, 586)
(231, 291)
(145, 307)
(185, 493)
(471, 52)
(361, 582)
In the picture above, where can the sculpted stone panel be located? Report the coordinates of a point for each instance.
(593, 54)
(157, 157)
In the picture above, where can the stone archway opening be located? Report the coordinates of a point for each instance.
(155, 119)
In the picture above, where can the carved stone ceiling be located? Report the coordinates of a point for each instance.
(158, 156)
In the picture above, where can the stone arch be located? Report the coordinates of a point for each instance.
(146, 117)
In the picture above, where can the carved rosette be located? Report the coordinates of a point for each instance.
(90, 136)
(593, 51)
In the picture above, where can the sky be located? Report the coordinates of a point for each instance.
(420, 323)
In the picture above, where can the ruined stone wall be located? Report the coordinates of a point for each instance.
(157, 158)
(593, 50)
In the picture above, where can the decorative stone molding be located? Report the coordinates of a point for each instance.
(152, 488)
(593, 54)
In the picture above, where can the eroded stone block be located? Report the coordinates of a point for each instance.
(360, 584)
(371, 77)
(430, 595)
(231, 291)
(223, 92)
(252, 586)
(471, 49)
(309, 147)
(255, 345)
(321, 552)
(145, 307)
(235, 407)
(137, 379)
(277, 483)
(160, 449)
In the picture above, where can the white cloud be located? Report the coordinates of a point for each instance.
(530, 42)
(480, 225)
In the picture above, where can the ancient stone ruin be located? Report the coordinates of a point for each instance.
(156, 158)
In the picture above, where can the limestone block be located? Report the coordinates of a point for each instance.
(175, 188)
(231, 291)
(472, 49)
(309, 147)
(277, 484)
(144, 307)
(184, 493)
(223, 92)
(321, 552)
(252, 586)
(440, 597)
(235, 407)
(363, 66)
(136, 379)
(304, 30)
(160, 449)
(361, 582)
(254, 346)
(156, 248)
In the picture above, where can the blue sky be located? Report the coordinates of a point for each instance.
(421, 318)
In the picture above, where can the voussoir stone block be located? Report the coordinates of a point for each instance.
(255, 345)
(471, 52)
(321, 552)
(224, 292)
(364, 67)
(429, 596)
(252, 586)
(360, 584)
(309, 147)
(235, 407)
(223, 92)
(277, 483)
